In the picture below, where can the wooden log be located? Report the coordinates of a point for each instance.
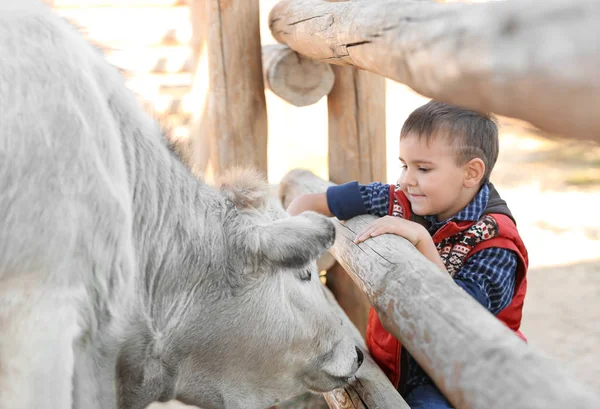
(293, 77)
(238, 129)
(357, 132)
(474, 359)
(524, 59)
(356, 151)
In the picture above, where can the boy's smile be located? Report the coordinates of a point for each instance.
(432, 180)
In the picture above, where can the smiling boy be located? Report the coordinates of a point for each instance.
(446, 207)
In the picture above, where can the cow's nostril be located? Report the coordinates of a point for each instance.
(359, 356)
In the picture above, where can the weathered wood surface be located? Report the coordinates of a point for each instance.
(356, 121)
(238, 113)
(474, 359)
(356, 151)
(299, 80)
(537, 61)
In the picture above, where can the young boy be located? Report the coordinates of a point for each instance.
(445, 205)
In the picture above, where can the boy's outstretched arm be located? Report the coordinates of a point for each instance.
(316, 202)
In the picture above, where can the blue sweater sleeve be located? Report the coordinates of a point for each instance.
(489, 276)
(345, 201)
(352, 199)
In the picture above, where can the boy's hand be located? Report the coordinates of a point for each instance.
(413, 232)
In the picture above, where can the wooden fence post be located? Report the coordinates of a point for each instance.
(198, 147)
(356, 114)
(238, 114)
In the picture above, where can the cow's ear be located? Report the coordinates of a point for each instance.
(245, 187)
(292, 242)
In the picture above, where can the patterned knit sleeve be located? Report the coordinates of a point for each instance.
(376, 197)
(489, 276)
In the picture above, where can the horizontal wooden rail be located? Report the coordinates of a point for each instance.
(474, 359)
(537, 61)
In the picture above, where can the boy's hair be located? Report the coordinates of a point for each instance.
(470, 133)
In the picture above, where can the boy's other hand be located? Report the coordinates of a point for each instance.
(411, 231)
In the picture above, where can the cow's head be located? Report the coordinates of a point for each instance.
(272, 335)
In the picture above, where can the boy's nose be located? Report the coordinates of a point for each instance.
(406, 180)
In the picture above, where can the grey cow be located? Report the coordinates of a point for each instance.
(123, 279)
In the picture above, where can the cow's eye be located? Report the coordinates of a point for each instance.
(306, 276)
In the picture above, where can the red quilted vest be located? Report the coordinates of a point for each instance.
(456, 241)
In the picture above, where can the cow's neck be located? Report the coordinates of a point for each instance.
(173, 212)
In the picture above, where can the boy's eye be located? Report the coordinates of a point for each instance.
(403, 167)
(423, 170)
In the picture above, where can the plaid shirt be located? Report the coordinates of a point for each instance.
(488, 275)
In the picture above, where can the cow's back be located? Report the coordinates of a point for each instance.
(62, 174)
(65, 239)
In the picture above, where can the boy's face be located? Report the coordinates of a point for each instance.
(431, 178)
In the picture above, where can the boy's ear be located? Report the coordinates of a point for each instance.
(474, 171)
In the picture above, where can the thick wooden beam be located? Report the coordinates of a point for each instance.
(356, 118)
(475, 360)
(532, 60)
(356, 151)
(238, 130)
(295, 78)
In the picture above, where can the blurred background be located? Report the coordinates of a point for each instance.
(552, 185)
